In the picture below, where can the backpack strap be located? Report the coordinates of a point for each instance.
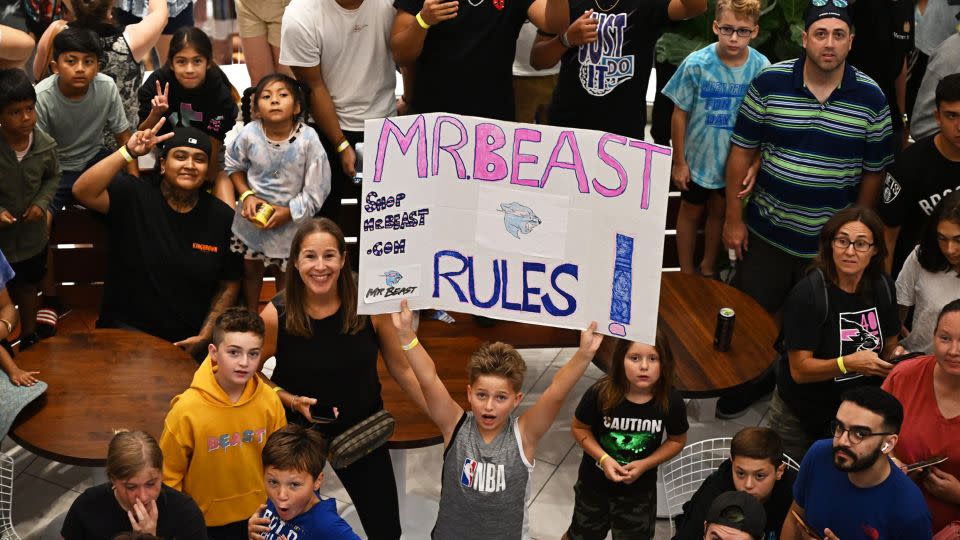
(886, 285)
(821, 305)
(821, 300)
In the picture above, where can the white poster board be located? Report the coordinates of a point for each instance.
(522, 222)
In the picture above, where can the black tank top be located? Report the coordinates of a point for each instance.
(336, 368)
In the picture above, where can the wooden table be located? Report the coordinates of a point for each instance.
(688, 310)
(99, 381)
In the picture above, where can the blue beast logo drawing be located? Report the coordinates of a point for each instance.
(518, 218)
(393, 277)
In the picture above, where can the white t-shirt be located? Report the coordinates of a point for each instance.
(521, 62)
(928, 292)
(23, 153)
(353, 51)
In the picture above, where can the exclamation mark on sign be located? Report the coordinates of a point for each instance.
(622, 288)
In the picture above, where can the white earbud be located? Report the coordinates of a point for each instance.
(884, 447)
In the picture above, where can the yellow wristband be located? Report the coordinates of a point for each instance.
(246, 194)
(126, 154)
(843, 368)
(423, 24)
(412, 344)
(600, 461)
(343, 146)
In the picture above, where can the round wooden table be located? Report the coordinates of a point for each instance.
(98, 381)
(689, 306)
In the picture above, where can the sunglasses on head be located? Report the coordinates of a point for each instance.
(837, 3)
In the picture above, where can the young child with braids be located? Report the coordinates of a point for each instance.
(279, 161)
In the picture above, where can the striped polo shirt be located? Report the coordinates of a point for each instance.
(812, 154)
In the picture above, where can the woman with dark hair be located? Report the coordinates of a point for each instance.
(191, 90)
(930, 276)
(326, 353)
(929, 389)
(839, 322)
(123, 46)
(134, 499)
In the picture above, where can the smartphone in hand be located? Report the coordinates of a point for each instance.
(804, 526)
(321, 412)
(906, 356)
(924, 463)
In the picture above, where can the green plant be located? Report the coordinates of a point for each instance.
(781, 24)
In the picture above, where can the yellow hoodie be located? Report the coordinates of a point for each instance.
(211, 447)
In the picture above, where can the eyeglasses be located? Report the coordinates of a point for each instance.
(821, 3)
(859, 244)
(729, 30)
(855, 435)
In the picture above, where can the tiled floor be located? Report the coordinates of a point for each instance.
(44, 490)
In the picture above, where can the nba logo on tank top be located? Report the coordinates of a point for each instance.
(483, 477)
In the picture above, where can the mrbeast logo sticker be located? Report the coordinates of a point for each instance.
(392, 284)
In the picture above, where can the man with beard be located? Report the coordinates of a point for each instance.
(847, 488)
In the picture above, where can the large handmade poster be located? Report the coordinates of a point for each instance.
(523, 222)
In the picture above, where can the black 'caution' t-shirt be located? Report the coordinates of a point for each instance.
(629, 433)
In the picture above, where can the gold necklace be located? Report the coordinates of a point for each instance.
(601, 8)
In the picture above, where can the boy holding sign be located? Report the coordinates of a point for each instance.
(488, 452)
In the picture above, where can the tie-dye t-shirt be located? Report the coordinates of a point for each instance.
(710, 92)
(294, 173)
(630, 432)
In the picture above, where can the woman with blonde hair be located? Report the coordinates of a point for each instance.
(134, 498)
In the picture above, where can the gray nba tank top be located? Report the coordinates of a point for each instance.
(484, 487)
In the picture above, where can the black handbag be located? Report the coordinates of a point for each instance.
(361, 439)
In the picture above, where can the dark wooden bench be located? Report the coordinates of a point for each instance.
(80, 245)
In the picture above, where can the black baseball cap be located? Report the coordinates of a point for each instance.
(738, 510)
(189, 137)
(827, 9)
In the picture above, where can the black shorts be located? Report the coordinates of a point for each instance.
(29, 272)
(699, 195)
